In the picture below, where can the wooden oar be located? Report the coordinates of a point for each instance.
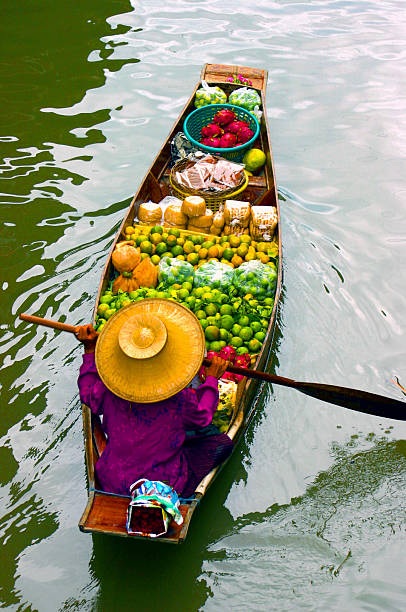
(354, 399)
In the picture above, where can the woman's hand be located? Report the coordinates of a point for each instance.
(87, 335)
(217, 367)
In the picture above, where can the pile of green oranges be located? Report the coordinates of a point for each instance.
(158, 242)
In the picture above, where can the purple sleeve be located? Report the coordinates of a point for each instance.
(200, 405)
(91, 388)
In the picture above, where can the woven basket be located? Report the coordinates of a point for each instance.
(201, 117)
(213, 199)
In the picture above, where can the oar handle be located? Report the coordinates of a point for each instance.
(271, 378)
(47, 323)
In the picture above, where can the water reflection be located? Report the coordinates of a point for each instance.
(306, 550)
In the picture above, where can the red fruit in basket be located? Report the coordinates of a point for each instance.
(224, 116)
(244, 134)
(234, 126)
(211, 142)
(228, 141)
(212, 129)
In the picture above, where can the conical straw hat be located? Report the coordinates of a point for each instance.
(150, 350)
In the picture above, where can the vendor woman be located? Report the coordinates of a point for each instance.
(136, 374)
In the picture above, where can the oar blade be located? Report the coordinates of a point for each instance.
(354, 399)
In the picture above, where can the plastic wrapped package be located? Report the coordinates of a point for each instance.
(237, 213)
(209, 95)
(150, 213)
(171, 271)
(246, 98)
(203, 221)
(218, 218)
(214, 274)
(193, 206)
(181, 147)
(213, 229)
(228, 173)
(209, 173)
(174, 216)
(264, 220)
(236, 230)
(256, 278)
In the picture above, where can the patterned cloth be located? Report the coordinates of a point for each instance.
(148, 440)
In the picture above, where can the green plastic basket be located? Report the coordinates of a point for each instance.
(202, 116)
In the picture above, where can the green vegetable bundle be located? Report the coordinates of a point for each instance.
(215, 274)
(246, 98)
(173, 271)
(255, 278)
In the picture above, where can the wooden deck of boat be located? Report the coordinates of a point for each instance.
(108, 514)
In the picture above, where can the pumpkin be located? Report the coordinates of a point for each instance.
(146, 273)
(126, 282)
(125, 257)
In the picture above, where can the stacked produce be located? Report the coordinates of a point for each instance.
(226, 131)
(228, 282)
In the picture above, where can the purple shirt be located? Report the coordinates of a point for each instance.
(145, 440)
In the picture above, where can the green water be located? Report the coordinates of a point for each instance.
(310, 511)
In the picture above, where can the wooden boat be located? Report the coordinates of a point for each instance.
(106, 513)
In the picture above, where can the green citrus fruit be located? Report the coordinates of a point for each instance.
(198, 292)
(183, 294)
(146, 247)
(211, 309)
(224, 334)
(215, 346)
(102, 309)
(176, 250)
(254, 159)
(160, 248)
(207, 244)
(242, 350)
(212, 333)
(255, 326)
(254, 346)
(244, 321)
(191, 302)
(246, 333)
(227, 322)
(236, 341)
(155, 259)
(174, 232)
(193, 258)
(236, 328)
(171, 240)
(226, 309)
(156, 238)
(200, 314)
(189, 247)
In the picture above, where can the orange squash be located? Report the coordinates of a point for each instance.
(125, 257)
(146, 273)
(126, 282)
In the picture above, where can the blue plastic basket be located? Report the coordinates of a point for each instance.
(202, 116)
